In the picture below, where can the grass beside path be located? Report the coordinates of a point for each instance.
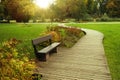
(111, 43)
(23, 32)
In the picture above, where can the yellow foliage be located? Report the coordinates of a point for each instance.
(13, 67)
(55, 36)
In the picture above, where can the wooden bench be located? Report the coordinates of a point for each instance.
(44, 53)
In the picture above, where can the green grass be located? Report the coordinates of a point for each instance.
(23, 32)
(111, 44)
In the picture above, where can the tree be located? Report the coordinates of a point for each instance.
(20, 10)
(90, 6)
(79, 10)
(60, 8)
(69, 9)
(103, 6)
(3, 12)
(113, 8)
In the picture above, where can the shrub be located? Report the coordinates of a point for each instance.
(87, 17)
(72, 35)
(13, 67)
(105, 17)
(73, 31)
(55, 36)
(68, 36)
(54, 31)
(115, 19)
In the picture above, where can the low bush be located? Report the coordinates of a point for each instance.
(115, 19)
(68, 36)
(72, 35)
(87, 18)
(105, 17)
(13, 67)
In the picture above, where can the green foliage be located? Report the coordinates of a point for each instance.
(23, 10)
(105, 17)
(1, 8)
(13, 67)
(87, 17)
(72, 35)
(115, 19)
(90, 6)
(68, 9)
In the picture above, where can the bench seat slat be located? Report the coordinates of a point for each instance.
(49, 48)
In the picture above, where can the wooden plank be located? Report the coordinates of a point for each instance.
(49, 48)
(41, 39)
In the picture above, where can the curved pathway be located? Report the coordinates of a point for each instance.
(84, 61)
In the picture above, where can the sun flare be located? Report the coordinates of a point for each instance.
(43, 3)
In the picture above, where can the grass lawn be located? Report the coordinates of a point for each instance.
(111, 43)
(26, 32)
(23, 32)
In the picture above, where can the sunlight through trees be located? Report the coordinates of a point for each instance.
(24, 10)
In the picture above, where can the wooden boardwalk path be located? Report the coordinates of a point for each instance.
(84, 61)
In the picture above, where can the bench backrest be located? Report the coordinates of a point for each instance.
(41, 39)
(37, 41)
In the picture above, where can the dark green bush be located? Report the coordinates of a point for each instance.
(105, 17)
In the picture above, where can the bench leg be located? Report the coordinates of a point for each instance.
(43, 56)
(54, 50)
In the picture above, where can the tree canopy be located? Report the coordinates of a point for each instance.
(20, 10)
(23, 10)
(113, 8)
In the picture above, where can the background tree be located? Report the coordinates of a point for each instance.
(23, 10)
(103, 6)
(90, 6)
(60, 9)
(96, 8)
(52, 11)
(69, 9)
(78, 9)
(3, 11)
(20, 10)
(113, 8)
